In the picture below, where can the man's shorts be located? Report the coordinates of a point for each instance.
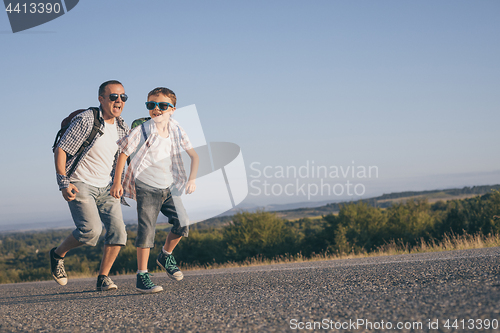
(150, 202)
(93, 207)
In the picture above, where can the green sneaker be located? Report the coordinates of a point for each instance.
(167, 262)
(145, 285)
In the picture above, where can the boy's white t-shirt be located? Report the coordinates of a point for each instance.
(95, 168)
(158, 159)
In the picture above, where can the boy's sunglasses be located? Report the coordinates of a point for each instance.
(114, 97)
(162, 106)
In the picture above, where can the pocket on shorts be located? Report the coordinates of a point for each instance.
(83, 193)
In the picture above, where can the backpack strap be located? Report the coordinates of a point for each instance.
(146, 136)
(96, 128)
(139, 122)
(144, 131)
(58, 136)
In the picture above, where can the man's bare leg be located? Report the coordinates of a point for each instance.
(108, 258)
(57, 256)
(68, 244)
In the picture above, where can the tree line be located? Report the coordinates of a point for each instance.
(357, 227)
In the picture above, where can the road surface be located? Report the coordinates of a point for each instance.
(404, 293)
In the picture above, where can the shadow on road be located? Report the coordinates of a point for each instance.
(66, 296)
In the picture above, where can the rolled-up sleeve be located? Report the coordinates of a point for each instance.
(62, 181)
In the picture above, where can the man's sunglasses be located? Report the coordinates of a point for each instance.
(114, 97)
(162, 105)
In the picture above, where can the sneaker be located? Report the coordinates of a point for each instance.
(145, 285)
(167, 262)
(105, 283)
(57, 269)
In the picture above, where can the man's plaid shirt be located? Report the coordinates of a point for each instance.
(129, 144)
(77, 132)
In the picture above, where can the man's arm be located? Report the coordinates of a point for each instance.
(69, 193)
(195, 161)
(117, 188)
(77, 132)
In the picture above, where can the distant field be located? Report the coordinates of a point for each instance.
(314, 214)
(432, 198)
(309, 217)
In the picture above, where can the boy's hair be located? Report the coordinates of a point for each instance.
(103, 86)
(164, 91)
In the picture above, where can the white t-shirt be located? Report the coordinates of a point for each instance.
(96, 167)
(157, 174)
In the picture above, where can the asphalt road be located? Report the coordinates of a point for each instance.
(342, 295)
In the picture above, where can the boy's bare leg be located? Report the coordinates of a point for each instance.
(144, 283)
(167, 262)
(68, 244)
(108, 258)
(171, 242)
(142, 258)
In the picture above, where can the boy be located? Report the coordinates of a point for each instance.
(155, 178)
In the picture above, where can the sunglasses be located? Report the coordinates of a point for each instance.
(162, 105)
(114, 97)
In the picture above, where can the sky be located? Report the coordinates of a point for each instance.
(408, 90)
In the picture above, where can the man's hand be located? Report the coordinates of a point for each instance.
(190, 186)
(69, 193)
(116, 190)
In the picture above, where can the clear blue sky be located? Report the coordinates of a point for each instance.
(409, 87)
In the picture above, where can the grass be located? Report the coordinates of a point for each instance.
(449, 243)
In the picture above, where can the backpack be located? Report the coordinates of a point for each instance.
(96, 128)
(139, 122)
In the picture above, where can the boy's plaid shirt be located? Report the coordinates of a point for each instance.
(77, 132)
(129, 144)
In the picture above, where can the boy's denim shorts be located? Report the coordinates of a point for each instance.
(150, 202)
(93, 207)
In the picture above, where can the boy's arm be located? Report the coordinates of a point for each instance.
(195, 161)
(117, 188)
(126, 146)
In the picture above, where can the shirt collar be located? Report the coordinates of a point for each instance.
(119, 119)
(154, 130)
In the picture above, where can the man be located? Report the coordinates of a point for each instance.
(87, 189)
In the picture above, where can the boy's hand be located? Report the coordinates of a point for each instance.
(116, 190)
(190, 186)
(69, 193)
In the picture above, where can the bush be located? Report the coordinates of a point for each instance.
(257, 234)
